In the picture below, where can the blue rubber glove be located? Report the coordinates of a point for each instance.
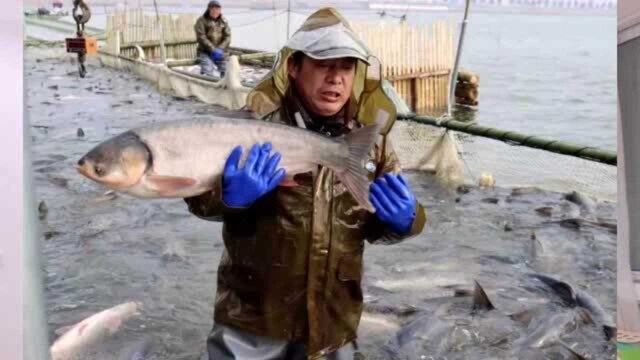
(394, 202)
(242, 187)
(217, 54)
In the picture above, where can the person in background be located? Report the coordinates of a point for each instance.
(214, 36)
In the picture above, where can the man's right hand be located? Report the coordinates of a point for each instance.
(242, 187)
(217, 54)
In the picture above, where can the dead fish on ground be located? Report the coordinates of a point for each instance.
(76, 339)
(186, 158)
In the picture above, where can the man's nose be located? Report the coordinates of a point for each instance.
(334, 77)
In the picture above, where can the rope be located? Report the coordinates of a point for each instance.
(235, 26)
(514, 138)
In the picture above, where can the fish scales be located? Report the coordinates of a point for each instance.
(200, 148)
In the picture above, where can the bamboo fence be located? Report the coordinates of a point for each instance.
(136, 27)
(416, 59)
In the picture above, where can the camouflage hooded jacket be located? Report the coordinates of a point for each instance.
(292, 262)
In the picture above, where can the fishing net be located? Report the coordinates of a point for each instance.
(461, 158)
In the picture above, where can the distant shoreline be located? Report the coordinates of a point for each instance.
(352, 7)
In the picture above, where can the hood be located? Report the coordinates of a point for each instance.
(327, 35)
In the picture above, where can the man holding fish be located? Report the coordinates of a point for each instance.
(289, 280)
(320, 177)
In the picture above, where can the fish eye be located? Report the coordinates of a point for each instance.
(99, 170)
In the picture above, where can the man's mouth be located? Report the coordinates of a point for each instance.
(330, 95)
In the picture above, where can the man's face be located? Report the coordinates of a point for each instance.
(323, 85)
(214, 12)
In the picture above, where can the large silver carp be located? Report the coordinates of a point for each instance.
(186, 158)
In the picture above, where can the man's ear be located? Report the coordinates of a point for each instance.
(292, 68)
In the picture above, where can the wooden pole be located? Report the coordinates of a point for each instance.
(288, 18)
(163, 51)
(454, 73)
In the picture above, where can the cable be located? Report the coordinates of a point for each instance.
(259, 20)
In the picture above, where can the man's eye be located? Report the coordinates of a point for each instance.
(348, 66)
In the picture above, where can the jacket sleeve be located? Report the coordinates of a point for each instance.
(377, 232)
(201, 35)
(226, 35)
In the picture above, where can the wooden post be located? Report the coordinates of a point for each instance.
(163, 51)
(454, 72)
(414, 92)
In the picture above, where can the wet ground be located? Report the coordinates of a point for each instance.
(102, 251)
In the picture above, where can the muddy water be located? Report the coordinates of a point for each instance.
(101, 251)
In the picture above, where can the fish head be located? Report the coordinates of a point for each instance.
(117, 163)
(128, 309)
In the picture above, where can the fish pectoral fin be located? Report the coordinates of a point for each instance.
(288, 183)
(61, 331)
(167, 185)
(523, 317)
(573, 352)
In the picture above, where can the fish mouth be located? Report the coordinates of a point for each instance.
(82, 170)
(86, 172)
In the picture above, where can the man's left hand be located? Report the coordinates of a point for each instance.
(394, 202)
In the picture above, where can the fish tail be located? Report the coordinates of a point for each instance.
(351, 169)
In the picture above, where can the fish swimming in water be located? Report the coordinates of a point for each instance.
(468, 318)
(468, 325)
(575, 297)
(78, 338)
(180, 159)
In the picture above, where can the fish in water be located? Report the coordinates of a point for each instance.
(78, 338)
(587, 205)
(467, 320)
(468, 325)
(574, 297)
(181, 159)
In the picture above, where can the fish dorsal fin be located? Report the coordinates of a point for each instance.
(480, 299)
(585, 316)
(565, 291)
(610, 332)
(63, 330)
(523, 317)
